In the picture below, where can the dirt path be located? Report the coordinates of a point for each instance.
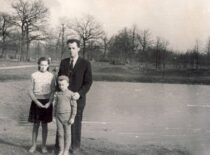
(19, 67)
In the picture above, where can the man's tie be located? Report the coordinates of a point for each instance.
(71, 64)
(70, 68)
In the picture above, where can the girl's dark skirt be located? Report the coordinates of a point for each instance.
(37, 114)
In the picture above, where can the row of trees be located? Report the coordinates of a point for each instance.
(24, 25)
(139, 46)
(26, 29)
(25, 34)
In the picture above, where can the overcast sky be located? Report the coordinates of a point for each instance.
(181, 22)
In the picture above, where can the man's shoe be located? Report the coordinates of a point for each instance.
(75, 151)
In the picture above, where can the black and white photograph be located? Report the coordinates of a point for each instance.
(105, 77)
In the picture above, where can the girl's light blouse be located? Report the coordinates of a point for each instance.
(43, 83)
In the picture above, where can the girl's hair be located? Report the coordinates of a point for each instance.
(43, 59)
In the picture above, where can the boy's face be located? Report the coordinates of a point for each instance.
(43, 66)
(63, 85)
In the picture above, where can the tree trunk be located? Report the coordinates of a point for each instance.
(62, 40)
(156, 60)
(27, 51)
(16, 52)
(27, 43)
(22, 50)
(3, 48)
(84, 47)
(22, 43)
(105, 49)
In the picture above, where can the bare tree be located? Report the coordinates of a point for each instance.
(5, 28)
(52, 43)
(165, 43)
(105, 46)
(160, 50)
(157, 51)
(62, 40)
(145, 41)
(62, 33)
(196, 54)
(88, 29)
(134, 36)
(31, 17)
(121, 47)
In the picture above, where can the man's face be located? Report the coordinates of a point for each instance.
(74, 49)
(63, 85)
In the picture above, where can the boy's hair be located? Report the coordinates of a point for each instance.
(62, 78)
(43, 59)
(73, 41)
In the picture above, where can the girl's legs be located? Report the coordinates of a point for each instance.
(44, 137)
(34, 136)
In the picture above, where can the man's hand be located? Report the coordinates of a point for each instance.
(54, 119)
(76, 96)
(71, 121)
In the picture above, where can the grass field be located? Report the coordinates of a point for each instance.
(108, 72)
(98, 138)
(15, 133)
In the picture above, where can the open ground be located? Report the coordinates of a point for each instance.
(120, 118)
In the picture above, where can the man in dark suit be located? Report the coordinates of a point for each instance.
(80, 78)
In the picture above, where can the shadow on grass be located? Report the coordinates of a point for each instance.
(7, 142)
(13, 78)
(162, 150)
(96, 147)
(21, 147)
(104, 147)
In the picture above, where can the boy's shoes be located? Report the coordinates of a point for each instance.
(60, 153)
(44, 149)
(32, 149)
(75, 151)
(66, 153)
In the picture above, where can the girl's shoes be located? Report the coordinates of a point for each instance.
(32, 149)
(44, 149)
(66, 153)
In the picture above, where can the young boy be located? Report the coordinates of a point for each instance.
(65, 112)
